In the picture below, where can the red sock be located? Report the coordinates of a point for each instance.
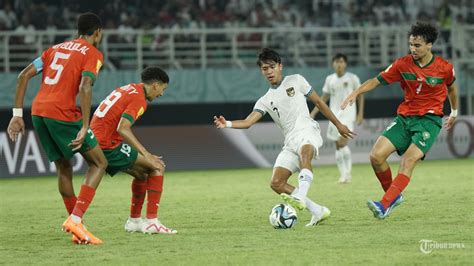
(398, 185)
(138, 197)
(70, 202)
(85, 197)
(154, 188)
(385, 179)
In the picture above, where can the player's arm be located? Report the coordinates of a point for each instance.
(315, 110)
(251, 119)
(324, 108)
(124, 128)
(85, 98)
(453, 101)
(17, 125)
(360, 109)
(365, 87)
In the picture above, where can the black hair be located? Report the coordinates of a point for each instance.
(154, 74)
(88, 23)
(338, 56)
(267, 55)
(425, 30)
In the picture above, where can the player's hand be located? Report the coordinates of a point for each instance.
(76, 144)
(16, 127)
(219, 121)
(345, 131)
(359, 120)
(449, 122)
(156, 162)
(349, 101)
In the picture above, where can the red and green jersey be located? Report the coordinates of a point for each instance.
(425, 87)
(64, 65)
(128, 102)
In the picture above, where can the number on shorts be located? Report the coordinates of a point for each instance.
(58, 67)
(126, 149)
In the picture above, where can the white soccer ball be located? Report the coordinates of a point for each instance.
(283, 216)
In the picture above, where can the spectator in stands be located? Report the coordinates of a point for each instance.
(8, 16)
(27, 30)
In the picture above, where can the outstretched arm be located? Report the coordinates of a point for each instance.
(125, 130)
(251, 119)
(324, 108)
(17, 125)
(365, 87)
(453, 101)
(315, 110)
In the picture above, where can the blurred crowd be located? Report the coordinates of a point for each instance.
(29, 15)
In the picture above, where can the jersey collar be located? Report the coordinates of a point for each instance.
(274, 87)
(429, 63)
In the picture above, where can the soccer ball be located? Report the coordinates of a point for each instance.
(283, 216)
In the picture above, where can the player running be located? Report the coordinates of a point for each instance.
(286, 103)
(426, 79)
(336, 88)
(69, 68)
(112, 124)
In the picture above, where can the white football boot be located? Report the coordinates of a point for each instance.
(134, 225)
(316, 220)
(154, 226)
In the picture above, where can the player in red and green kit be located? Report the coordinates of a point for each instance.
(426, 80)
(112, 124)
(69, 69)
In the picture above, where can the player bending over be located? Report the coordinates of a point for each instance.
(286, 103)
(69, 68)
(336, 88)
(426, 79)
(112, 123)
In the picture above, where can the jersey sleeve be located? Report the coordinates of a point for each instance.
(303, 86)
(450, 77)
(326, 86)
(134, 110)
(391, 74)
(260, 107)
(92, 64)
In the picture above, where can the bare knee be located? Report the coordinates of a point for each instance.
(409, 161)
(376, 158)
(278, 186)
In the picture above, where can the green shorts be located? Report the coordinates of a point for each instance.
(121, 158)
(55, 136)
(419, 130)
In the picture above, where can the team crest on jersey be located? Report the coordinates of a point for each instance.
(426, 135)
(290, 92)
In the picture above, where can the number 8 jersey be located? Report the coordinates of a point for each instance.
(129, 102)
(63, 66)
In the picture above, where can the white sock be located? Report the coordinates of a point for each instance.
(135, 220)
(340, 162)
(347, 159)
(314, 208)
(76, 218)
(305, 178)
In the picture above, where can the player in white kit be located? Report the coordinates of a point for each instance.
(336, 88)
(285, 101)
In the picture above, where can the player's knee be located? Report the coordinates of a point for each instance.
(376, 158)
(277, 185)
(409, 161)
(63, 165)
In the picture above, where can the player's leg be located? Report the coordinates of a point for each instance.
(305, 177)
(381, 150)
(134, 222)
(333, 135)
(344, 158)
(65, 185)
(154, 189)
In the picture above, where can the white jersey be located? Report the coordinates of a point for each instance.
(286, 104)
(339, 88)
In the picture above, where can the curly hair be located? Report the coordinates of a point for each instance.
(154, 74)
(425, 30)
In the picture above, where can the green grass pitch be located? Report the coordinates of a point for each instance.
(222, 218)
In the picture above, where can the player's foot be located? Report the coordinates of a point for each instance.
(398, 200)
(344, 179)
(154, 226)
(134, 225)
(80, 231)
(378, 209)
(294, 201)
(317, 220)
(76, 241)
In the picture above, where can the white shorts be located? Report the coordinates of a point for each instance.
(333, 134)
(289, 157)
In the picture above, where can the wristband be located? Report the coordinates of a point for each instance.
(228, 124)
(454, 113)
(18, 112)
